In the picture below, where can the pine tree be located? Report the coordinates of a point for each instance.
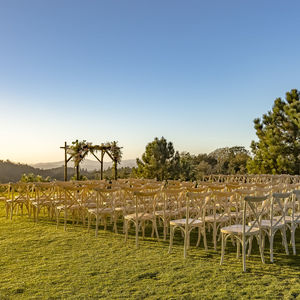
(278, 147)
(159, 161)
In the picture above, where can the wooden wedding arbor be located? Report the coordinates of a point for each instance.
(78, 150)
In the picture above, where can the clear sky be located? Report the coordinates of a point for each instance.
(196, 72)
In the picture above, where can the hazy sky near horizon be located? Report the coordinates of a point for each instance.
(196, 72)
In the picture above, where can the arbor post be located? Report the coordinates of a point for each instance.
(66, 164)
(102, 155)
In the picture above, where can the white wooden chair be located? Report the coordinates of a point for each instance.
(68, 202)
(243, 233)
(275, 221)
(18, 198)
(171, 208)
(145, 207)
(220, 213)
(105, 200)
(44, 199)
(292, 220)
(195, 209)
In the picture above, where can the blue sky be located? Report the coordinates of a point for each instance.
(195, 72)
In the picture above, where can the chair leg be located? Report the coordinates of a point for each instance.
(143, 229)
(137, 234)
(185, 245)
(271, 237)
(89, 222)
(260, 245)
(115, 224)
(97, 225)
(155, 228)
(7, 210)
(293, 227)
(125, 228)
(204, 239)
(57, 217)
(171, 239)
(65, 220)
(215, 236)
(244, 256)
(11, 211)
(199, 237)
(238, 249)
(165, 229)
(222, 248)
(250, 245)
(263, 241)
(284, 239)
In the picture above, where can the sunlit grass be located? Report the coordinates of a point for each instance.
(41, 262)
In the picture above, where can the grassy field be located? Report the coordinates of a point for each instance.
(39, 261)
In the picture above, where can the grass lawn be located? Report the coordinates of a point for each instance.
(39, 261)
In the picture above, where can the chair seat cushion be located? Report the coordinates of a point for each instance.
(101, 211)
(219, 218)
(234, 214)
(166, 213)
(141, 216)
(182, 222)
(238, 229)
(266, 224)
(289, 219)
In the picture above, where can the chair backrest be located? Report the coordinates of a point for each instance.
(4, 191)
(187, 184)
(44, 192)
(145, 203)
(196, 204)
(70, 195)
(220, 204)
(296, 206)
(106, 198)
(239, 198)
(200, 189)
(173, 199)
(20, 191)
(255, 204)
(216, 187)
(232, 186)
(279, 205)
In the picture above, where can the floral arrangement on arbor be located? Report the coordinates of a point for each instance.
(114, 150)
(79, 150)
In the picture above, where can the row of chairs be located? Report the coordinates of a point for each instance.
(219, 208)
(252, 178)
(263, 216)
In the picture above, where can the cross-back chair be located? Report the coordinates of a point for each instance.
(19, 198)
(145, 207)
(195, 208)
(244, 233)
(105, 208)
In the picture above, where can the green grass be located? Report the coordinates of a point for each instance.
(38, 261)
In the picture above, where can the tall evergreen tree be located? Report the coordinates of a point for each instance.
(158, 161)
(277, 150)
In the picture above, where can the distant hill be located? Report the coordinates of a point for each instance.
(87, 164)
(12, 172)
